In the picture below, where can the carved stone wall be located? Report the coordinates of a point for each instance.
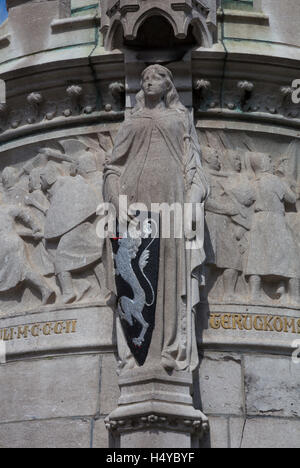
(66, 91)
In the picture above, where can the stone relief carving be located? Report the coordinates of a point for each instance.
(225, 218)
(248, 196)
(245, 96)
(252, 222)
(272, 245)
(156, 159)
(74, 101)
(48, 212)
(15, 264)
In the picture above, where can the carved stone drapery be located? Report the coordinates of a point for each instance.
(156, 162)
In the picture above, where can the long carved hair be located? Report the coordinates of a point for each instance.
(172, 100)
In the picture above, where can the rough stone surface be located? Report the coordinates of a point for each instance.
(56, 433)
(109, 384)
(218, 434)
(272, 386)
(101, 436)
(55, 331)
(236, 429)
(221, 384)
(271, 433)
(156, 439)
(49, 388)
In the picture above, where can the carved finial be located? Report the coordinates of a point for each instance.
(74, 92)
(286, 92)
(35, 100)
(117, 89)
(246, 88)
(202, 85)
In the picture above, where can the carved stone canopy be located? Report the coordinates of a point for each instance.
(181, 14)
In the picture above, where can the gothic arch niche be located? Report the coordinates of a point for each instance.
(179, 22)
(156, 32)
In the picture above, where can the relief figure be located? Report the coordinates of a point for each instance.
(15, 267)
(273, 253)
(73, 205)
(222, 239)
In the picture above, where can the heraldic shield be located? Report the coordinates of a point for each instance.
(136, 256)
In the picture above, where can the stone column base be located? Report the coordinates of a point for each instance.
(156, 411)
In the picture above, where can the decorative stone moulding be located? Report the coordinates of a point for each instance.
(181, 14)
(155, 421)
(156, 405)
(75, 23)
(64, 5)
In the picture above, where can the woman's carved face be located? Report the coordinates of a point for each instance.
(154, 85)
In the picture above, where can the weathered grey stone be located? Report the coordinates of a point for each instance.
(152, 184)
(58, 84)
(57, 330)
(132, 14)
(49, 209)
(245, 207)
(221, 384)
(273, 250)
(264, 433)
(55, 433)
(272, 386)
(49, 388)
(100, 435)
(271, 433)
(16, 268)
(155, 439)
(236, 429)
(155, 397)
(222, 244)
(218, 436)
(109, 384)
(155, 402)
(245, 327)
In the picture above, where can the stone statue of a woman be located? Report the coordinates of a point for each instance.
(156, 159)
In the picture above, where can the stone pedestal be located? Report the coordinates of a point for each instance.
(156, 410)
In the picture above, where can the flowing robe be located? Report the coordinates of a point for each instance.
(273, 251)
(156, 159)
(73, 202)
(221, 244)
